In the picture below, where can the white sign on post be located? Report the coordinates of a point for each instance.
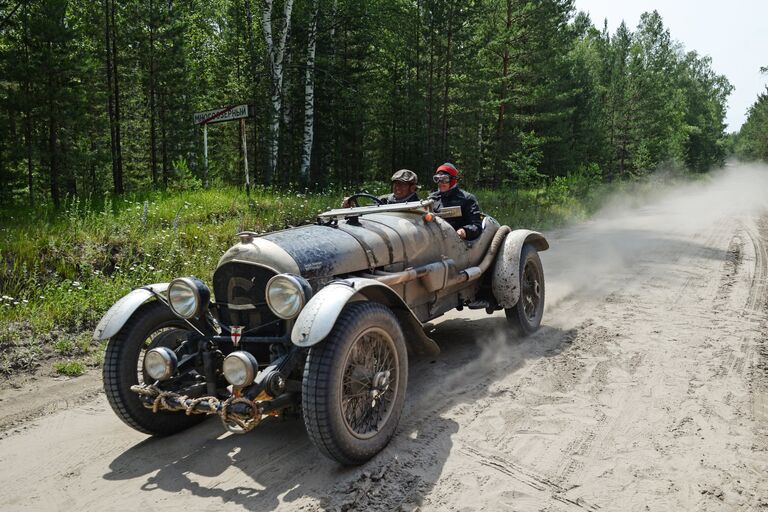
(221, 114)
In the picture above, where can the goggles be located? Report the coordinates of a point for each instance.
(442, 178)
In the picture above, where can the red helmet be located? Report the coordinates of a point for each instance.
(451, 170)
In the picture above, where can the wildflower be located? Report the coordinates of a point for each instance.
(76, 284)
(151, 267)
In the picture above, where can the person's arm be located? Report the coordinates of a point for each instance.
(471, 212)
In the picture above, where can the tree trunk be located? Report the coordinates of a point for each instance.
(53, 157)
(116, 179)
(164, 141)
(309, 96)
(503, 88)
(254, 79)
(430, 99)
(28, 111)
(28, 143)
(152, 96)
(444, 141)
(115, 78)
(276, 53)
(113, 98)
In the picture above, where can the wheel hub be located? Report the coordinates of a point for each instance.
(380, 384)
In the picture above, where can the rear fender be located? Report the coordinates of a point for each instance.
(505, 282)
(319, 316)
(114, 319)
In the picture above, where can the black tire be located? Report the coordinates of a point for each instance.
(359, 356)
(525, 316)
(123, 364)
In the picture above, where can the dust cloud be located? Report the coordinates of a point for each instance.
(588, 260)
(584, 259)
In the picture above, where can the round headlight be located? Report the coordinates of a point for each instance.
(187, 295)
(240, 368)
(160, 363)
(286, 295)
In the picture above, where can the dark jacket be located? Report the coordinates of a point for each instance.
(390, 198)
(470, 211)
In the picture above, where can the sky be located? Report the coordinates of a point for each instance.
(733, 33)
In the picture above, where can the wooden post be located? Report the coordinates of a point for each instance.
(245, 159)
(205, 155)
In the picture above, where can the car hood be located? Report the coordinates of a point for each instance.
(393, 241)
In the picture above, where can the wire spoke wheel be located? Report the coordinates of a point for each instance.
(531, 289)
(525, 316)
(354, 384)
(369, 383)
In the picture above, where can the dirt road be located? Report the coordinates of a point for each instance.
(647, 389)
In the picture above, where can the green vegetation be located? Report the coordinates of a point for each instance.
(751, 143)
(70, 368)
(98, 97)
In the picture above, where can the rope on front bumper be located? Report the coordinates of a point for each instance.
(233, 421)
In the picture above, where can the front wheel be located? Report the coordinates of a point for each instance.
(525, 316)
(354, 384)
(152, 325)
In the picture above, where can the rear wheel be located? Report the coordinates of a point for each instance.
(152, 325)
(354, 384)
(525, 316)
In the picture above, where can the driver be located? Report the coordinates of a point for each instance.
(469, 224)
(405, 183)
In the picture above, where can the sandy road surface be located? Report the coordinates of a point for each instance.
(647, 389)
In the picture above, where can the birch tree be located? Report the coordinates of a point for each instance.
(275, 52)
(309, 94)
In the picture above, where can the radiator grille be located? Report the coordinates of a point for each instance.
(240, 291)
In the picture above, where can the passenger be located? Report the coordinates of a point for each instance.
(469, 224)
(405, 183)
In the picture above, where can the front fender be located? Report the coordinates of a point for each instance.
(121, 311)
(319, 315)
(505, 282)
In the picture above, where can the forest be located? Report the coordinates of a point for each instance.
(751, 142)
(97, 98)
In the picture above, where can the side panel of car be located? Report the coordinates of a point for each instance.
(423, 242)
(505, 282)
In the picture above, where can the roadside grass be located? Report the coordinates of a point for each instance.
(61, 270)
(69, 368)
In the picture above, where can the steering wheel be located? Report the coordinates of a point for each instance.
(354, 197)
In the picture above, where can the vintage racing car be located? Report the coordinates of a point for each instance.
(316, 320)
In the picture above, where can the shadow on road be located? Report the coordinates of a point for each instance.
(277, 464)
